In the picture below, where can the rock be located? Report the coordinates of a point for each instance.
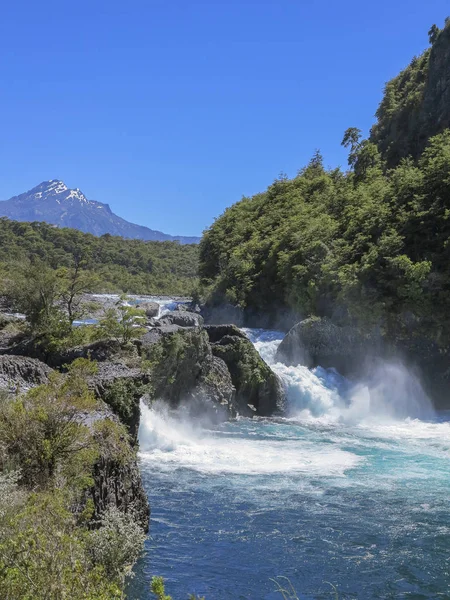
(318, 341)
(122, 388)
(100, 351)
(255, 382)
(151, 309)
(20, 373)
(217, 332)
(182, 319)
(213, 396)
(119, 484)
(184, 372)
(181, 308)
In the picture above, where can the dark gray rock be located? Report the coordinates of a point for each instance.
(119, 484)
(258, 388)
(182, 319)
(151, 309)
(20, 373)
(318, 341)
(121, 389)
(213, 395)
(217, 332)
(185, 373)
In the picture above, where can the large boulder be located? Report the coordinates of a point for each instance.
(180, 318)
(151, 309)
(318, 341)
(20, 373)
(217, 332)
(258, 388)
(183, 371)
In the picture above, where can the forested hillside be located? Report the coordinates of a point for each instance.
(416, 103)
(118, 264)
(369, 246)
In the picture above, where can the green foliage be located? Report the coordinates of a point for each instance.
(44, 555)
(157, 587)
(116, 544)
(49, 443)
(100, 264)
(44, 433)
(367, 247)
(416, 103)
(122, 323)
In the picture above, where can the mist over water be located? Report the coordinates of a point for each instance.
(349, 486)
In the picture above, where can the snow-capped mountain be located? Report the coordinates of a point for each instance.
(53, 202)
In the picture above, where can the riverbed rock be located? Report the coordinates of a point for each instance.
(151, 309)
(180, 318)
(258, 388)
(183, 372)
(318, 341)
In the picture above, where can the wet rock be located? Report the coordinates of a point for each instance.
(255, 382)
(151, 309)
(318, 341)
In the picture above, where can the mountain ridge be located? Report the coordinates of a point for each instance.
(55, 203)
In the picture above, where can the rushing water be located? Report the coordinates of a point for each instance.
(350, 487)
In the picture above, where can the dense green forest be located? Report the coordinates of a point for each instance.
(416, 103)
(369, 246)
(119, 265)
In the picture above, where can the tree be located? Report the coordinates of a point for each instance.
(433, 33)
(352, 137)
(123, 322)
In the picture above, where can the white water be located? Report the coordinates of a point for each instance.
(350, 473)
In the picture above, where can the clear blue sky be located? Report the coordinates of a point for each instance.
(172, 110)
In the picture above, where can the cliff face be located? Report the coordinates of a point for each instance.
(416, 104)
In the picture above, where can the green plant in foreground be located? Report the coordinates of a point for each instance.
(157, 587)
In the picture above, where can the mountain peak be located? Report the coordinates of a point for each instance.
(55, 189)
(52, 201)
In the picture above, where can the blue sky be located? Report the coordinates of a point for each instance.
(171, 111)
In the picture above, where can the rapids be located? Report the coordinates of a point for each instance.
(349, 487)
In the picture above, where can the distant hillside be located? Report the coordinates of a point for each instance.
(53, 202)
(132, 266)
(416, 103)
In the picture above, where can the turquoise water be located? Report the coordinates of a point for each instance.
(346, 488)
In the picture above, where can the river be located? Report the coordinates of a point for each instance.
(348, 491)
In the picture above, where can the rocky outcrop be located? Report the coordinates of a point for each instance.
(183, 371)
(318, 341)
(122, 388)
(258, 388)
(20, 373)
(180, 318)
(118, 483)
(101, 351)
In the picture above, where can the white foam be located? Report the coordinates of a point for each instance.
(169, 442)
